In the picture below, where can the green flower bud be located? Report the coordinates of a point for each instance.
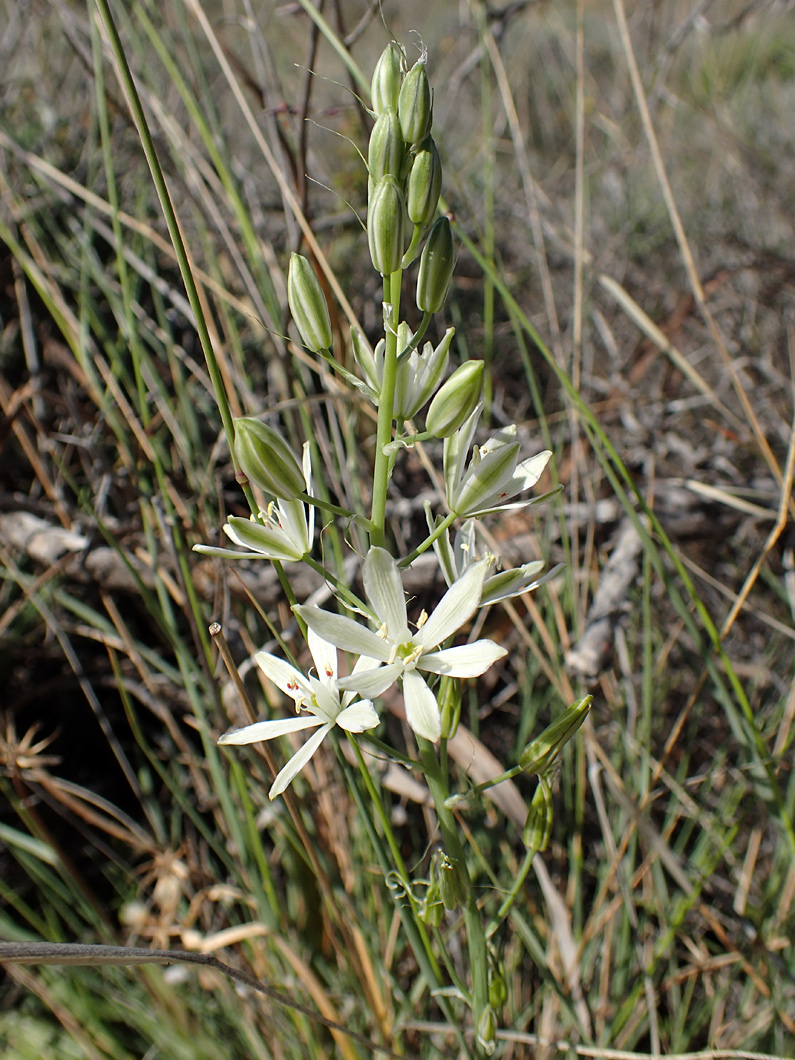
(436, 267)
(540, 754)
(538, 826)
(456, 400)
(498, 989)
(453, 882)
(414, 104)
(386, 221)
(267, 459)
(386, 150)
(487, 1030)
(425, 184)
(308, 304)
(449, 696)
(431, 910)
(387, 76)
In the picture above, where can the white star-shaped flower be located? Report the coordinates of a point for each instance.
(404, 654)
(285, 533)
(457, 556)
(492, 476)
(318, 697)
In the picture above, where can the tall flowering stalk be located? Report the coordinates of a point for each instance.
(427, 660)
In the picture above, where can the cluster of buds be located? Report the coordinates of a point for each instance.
(405, 180)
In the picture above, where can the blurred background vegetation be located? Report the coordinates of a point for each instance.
(622, 177)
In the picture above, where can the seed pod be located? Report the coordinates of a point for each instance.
(308, 304)
(267, 459)
(425, 184)
(387, 76)
(456, 401)
(386, 222)
(436, 267)
(414, 104)
(386, 150)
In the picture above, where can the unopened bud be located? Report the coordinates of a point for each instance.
(539, 755)
(498, 989)
(267, 459)
(487, 1030)
(453, 882)
(308, 304)
(414, 104)
(386, 226)
(436, 267)
(425, 184)
(386, 151)
(387, 76)
(538, 826)
(449, 696)
(456, 401)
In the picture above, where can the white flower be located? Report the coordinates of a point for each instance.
(402, 653)
(318, 696)
(454, 558)
(418, 375)
(492, 476)
(286, 533)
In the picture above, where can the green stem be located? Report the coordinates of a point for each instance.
(426, 544)
(511, 896)
(476, 939)
(326, 506)
(416, 932)
(420, 335)
(339, 587)
(386, 401)
(159, 180)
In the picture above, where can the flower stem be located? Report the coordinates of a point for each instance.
(426, 544)
(476, 939)
(386, 401)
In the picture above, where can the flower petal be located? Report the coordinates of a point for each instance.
(358, 716)
(467, 660)
(269, 730)
(509, 583)
(487, 480)
(384, 590)
(372, 682)
(291, 681)
(455, 608)
(324, 656)
(344, 632)
(532, 468)
(270, 541)
(422, 710)
(298, 761)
